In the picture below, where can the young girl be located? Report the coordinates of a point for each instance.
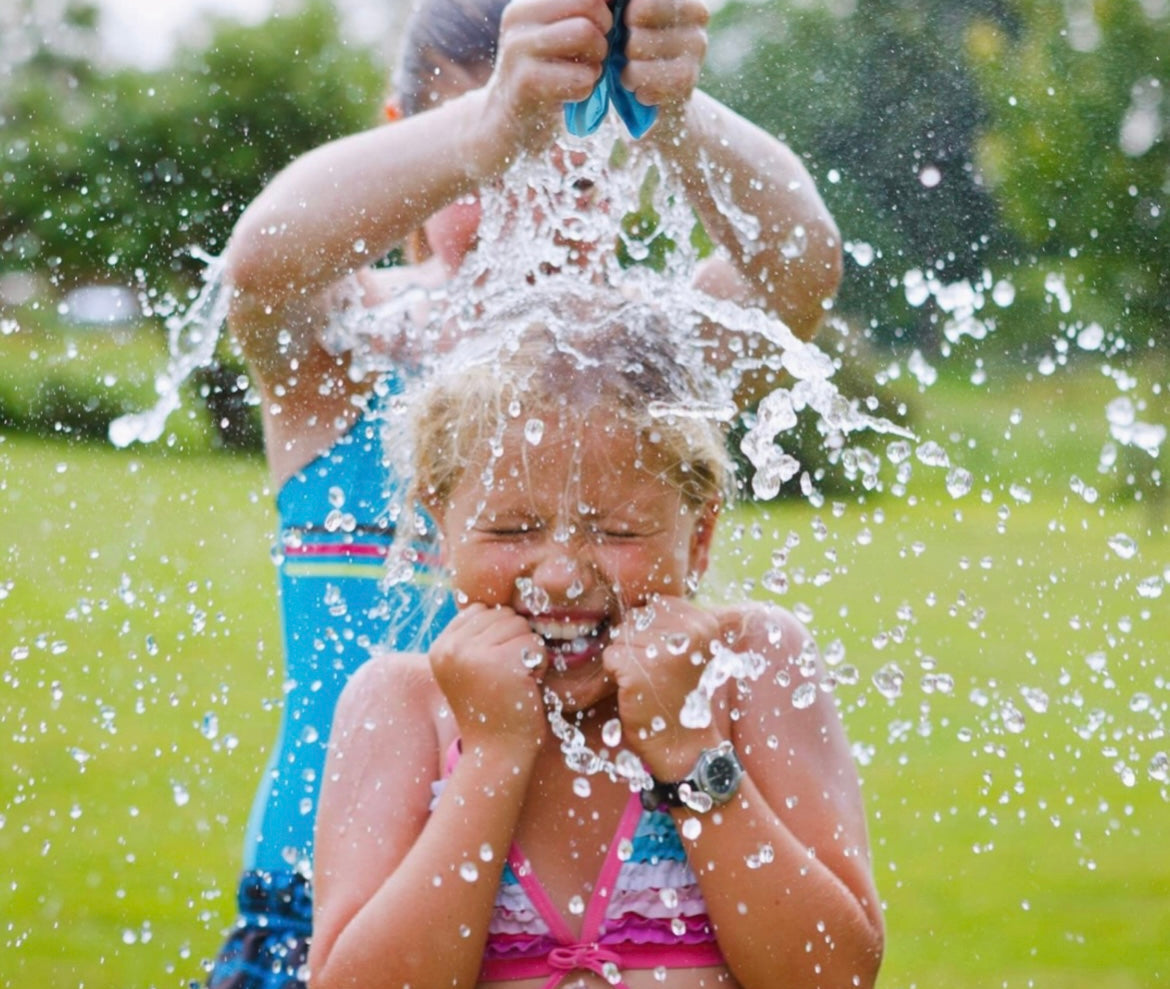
(458, 843)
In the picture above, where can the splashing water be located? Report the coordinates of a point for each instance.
(725, 664)
(192, 336)
(579, 757)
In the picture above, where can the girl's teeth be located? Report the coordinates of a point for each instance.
(563, 631)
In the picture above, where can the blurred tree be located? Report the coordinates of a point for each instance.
(876, 94)
(114, 176)
(1076, 152)
(48, 64)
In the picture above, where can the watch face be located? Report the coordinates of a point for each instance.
(720, 775)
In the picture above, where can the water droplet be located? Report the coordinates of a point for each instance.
(796, 244)
(775, 581)
(180, 794)
(692, 828)
(1150, 587)
(582, 787)
(1021, 493)
(1012, 717)
(861, 252)
(805, 695)
(933, 455)
(1035, 698)
(534, 598)
(469, 872)
(611, 732)
(485, 852)
(696, 800)
(669, 897)
(1091, 337)
(762, 856)
(576, 906)
(696, 710)
(888, 681)
(959, 482)
(929, 176)
(534, 431)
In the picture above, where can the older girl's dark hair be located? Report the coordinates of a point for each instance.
(457, 32)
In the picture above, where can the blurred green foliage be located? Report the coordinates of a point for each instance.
(72, 382)
(113, 176)
(1075, 151)
(956, 136)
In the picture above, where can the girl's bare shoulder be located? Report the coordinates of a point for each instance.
(390, 686)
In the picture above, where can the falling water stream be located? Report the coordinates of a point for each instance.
(895, 547)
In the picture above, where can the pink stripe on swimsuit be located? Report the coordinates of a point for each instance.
(646, 911)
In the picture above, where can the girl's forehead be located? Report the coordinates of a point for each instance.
(568, 441)
(597, 460)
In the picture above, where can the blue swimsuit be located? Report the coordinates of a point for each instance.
(334, 533)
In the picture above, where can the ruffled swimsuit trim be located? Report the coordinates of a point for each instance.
(646, 910)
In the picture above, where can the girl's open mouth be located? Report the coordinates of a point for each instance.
(571, 643)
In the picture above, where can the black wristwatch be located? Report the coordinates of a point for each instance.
(712, 783)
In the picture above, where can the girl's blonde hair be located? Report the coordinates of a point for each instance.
(563, 351)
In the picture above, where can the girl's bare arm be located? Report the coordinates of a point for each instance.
(396, 902)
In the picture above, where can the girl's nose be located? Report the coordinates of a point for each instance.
(562, 569)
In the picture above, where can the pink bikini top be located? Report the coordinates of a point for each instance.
(646, 911)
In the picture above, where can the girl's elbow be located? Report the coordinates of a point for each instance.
(871, 950)
(246, 268)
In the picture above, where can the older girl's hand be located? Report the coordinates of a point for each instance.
(550, 52)
(666, 46)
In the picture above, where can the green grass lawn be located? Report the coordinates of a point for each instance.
(1020, 839)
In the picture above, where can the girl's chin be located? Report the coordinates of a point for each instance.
(579, 690)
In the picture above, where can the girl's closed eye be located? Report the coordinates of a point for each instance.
(509, 527)
(618, 531)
